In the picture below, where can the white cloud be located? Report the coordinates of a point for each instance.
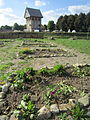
(1, 3)
(78, 9)
(39, 3)
(50, 15)
(7, 17)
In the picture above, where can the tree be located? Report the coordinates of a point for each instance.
(80, 23)
(59, 23)
(64, 24)
(51, 26)
(16, 26)
(6, 28)
(70, 22)
(88, 21)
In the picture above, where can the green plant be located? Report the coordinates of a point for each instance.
(62, 116)
(81, 71)
(26, 110)
(18, 84)
(53, 92)
(26, 51)
(77, 113)
(56, 70)
(65, 89)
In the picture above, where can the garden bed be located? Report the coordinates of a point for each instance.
(46, 87)
(41, 53)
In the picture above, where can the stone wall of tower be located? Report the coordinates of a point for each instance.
(33, 23)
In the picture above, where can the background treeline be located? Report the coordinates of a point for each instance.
(79, 23)
(14, 27)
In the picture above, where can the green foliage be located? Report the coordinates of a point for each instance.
(56, 70)
(26, 109)
(66, 89)
(53, 92)
(26, 51)
(51, 26)
(62, 116)
(81, 71)
(22, 76)
(5, 66)
(77, 113)
(80, 23)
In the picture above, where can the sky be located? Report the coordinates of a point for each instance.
(12, 11)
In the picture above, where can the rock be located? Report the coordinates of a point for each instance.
(72, 102)
(1, 105)
(65, 107)
(85, 101)
(34, 98)
(54, 108)
(1, 100)
(13, 117)
(44, 113)
(5, 87)
(2, 95)
(4, 117)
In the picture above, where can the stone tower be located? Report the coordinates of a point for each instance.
(33, 19)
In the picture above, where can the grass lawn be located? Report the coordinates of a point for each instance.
(81, 45)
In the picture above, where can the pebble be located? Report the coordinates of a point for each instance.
(2, 95)
(85, 101)
(54, 109)
(4, 117)
(44, 113)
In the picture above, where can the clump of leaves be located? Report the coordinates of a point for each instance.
(82, 71)
(77, 113)
(22, 76)
(62, 116)
(56, 70)
(26, 110)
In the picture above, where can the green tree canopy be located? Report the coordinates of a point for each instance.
(51, 26)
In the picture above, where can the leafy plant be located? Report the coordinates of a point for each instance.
(81, 71)
(62, 116)
(26, 110)
(56, 70)
(77, 113)
(53, 92)
(65, 89)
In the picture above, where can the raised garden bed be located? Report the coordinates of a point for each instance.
(41, 53)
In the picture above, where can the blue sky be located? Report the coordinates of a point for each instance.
(12, 11)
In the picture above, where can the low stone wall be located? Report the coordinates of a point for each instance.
(13, 35)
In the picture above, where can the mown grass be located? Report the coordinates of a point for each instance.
(81, 45)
